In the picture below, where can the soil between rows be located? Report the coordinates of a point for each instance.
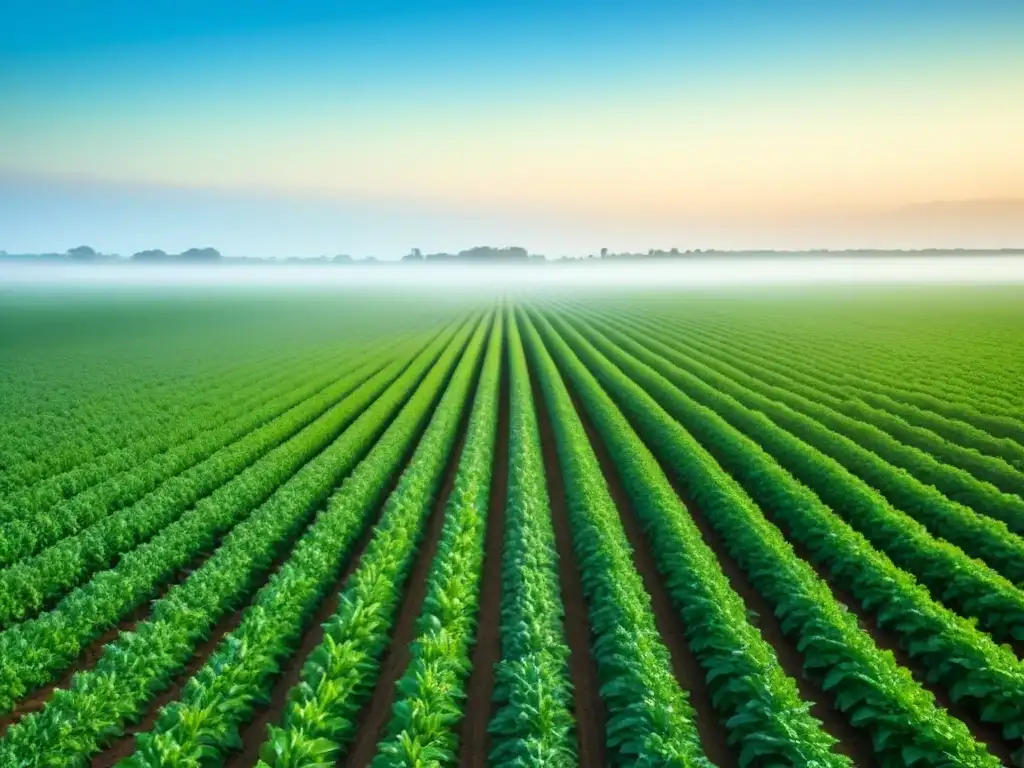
(124, 746)
(988, 734)
(254, 733)
(714, 737)
(377, 711)
(588, 706)
(474, 740)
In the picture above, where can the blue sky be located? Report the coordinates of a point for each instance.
(280, 128)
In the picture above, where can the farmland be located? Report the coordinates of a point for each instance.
(549, 528)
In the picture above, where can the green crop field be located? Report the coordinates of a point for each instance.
(549, 528)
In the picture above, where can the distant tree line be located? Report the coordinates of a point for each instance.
(191, 256)
(81, 253)
(85, 253)
(479, 255)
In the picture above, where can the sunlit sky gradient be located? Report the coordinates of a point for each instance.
(270, 128)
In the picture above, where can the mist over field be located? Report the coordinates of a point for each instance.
(693, 273)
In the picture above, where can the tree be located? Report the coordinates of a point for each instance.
(414, 255)
(200, 254)
(191, 255)
(82, 253)
(604, 253)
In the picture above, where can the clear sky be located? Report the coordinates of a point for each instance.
(276, 128)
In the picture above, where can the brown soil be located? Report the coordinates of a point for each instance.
(474, 739)
(853, 742)
(988, 734)
(254, 733)
(376, 713)
(88, 658)
(714, 736)
(589, 708)
(124, 745)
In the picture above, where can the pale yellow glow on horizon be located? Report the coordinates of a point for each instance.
(740, 156)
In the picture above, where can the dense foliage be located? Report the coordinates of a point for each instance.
(252, 530)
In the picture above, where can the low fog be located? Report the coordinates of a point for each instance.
(694, 273)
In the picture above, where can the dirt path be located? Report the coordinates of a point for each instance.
(714, 737)
(254, 733)
(124, 745)
(589, 708)
(988, 734)
(375, 715)
(474, 741)
(87, 659)
(853, 742)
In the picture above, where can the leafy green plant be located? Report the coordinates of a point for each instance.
(842, 391)
(650, 721)
(227, 400)
(26, 586)
(34, 651)
(935, 481)
(219, 698)
(78, 720)
(956, 579)
(432, 689)
(870, 688)
(533, 722)
(768, 723)
(338, 677)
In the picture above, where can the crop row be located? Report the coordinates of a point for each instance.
(77, 721)
(768, 724)
(28, 585)
(650, 720)
(960, 407)
(958, 580)
(86, 422)
(216, 701)
(127, 388)
(27, 535)
(32, 652)
(968, 663)
(972, 369)
(533, 722)
(142, 420)
(117, 480)
(992, 459)
(117, 443)
(927, 484)
(235, 401)
(337, 679)
(432, 689)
